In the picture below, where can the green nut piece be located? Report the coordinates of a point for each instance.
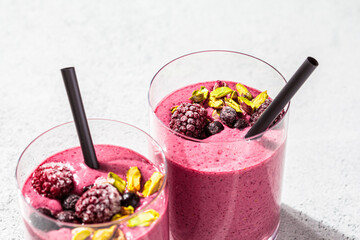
(173, 109)
(246, 105)
(215, 103)
(104, 234)
(260, 99)
(117, 182)
(231, 103)
(133, 177)
(234, 95)
(215, 114)
(81, 233)
(243, 91)
(199, 95)
(143, 219)
(221, 92)
(153, 184)
(127, 210)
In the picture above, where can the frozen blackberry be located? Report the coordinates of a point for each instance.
(130, 198)
(98, 204)
(67, 216)
(53, 180)
(240, 124)
(228, 116)
(189, 119)
(214, 128)
(256, 115)
(69, 202)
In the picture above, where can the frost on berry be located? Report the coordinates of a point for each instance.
(53, 180)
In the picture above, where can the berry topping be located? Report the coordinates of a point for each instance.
(98, 204)
(214, 128)
(53, 180)
(240, 123)
(67, 216)
(228, 116)
(130, 199)
(69, 202)
(189, 119)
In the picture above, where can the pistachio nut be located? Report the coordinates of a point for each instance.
(246, 105)
(199, 95)
(143, 219)
(215, 114)
(215, 103)
(173, 109)
(81, 233)
(133, 177)
(127, 210)
(231, 103)
(104, 234)
(117, 217)
(116, 181)
(243, 91)
(260, 99)
(153, 184)
(221, 92)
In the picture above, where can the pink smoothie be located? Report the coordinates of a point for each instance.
(112, 159)
(221, 187)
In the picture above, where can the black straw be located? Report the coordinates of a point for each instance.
(286, 93)
(77, 108)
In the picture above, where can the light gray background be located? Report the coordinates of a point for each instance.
(117, 46)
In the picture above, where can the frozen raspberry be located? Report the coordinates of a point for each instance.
(189, 119)
(214, 128)
(240, 124)
(256, 115)
(228, 116)
(69, 202)
(98, 204)
(53, 180)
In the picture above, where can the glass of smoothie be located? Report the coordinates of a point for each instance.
(221, 185)
(62, 198)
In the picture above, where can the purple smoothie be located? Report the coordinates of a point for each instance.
(221, 187)
(112, 159)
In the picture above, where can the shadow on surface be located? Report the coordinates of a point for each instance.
(297, 226)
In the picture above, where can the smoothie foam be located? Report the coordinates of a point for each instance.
(112, 159)
(222, 187)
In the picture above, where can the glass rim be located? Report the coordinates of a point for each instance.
(255, 137)
(93, 225)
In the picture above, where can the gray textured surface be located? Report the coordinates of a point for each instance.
(117, 46)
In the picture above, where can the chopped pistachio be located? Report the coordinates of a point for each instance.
(199, 95)
(234, 95)
(173, 109)
(215, 103)
(143, 219)
(117, 217)
(219, 84)
(153, 184)
(133, 177)
(231, 103)
(81, 233)
(116, 181)
(127, 210)
(104, 234)
(243, 91)
(246, 105)
(220, 92)
(260, 99)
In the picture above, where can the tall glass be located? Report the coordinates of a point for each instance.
(228, 189)
(106, 133)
